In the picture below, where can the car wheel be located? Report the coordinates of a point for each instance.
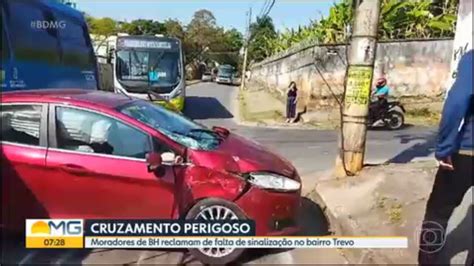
(213, 209)
(394, 120)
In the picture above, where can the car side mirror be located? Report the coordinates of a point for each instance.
(153, 161)
(170, 158)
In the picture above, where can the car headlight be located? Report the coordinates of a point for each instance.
(273, 181)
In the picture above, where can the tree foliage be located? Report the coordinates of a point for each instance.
(203, 40)
(398, 20)
(262, 33)
(143, 27)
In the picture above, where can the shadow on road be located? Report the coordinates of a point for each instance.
(205, 108)
(312, 221)
(420, 149)
(459, 241)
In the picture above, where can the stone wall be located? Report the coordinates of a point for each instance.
(417, 68)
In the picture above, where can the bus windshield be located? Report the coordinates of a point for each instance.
(159, 67)
(226, 70)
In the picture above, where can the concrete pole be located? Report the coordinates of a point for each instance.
(246, 49)
(462, 39)
(358, 87)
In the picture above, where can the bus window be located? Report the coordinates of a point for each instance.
(30, 37)
(76, 50)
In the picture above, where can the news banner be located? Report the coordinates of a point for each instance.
(180, 234)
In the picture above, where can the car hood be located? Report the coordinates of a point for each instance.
(240, 155)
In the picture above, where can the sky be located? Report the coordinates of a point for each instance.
(231, 13)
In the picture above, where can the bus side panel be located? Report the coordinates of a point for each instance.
(42, 55)
(33, 75)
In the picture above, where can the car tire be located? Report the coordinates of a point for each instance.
(212, 204)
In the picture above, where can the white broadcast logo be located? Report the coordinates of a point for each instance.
(432, 234)
(45, 24)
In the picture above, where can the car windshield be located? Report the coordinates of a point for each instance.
(154, 66)
(177, 127)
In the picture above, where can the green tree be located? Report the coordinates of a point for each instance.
(143, 27)
(101, 29)
(399, 20)
(234, 40)
(202, 31)
(262, 33)
(225, 48)
(173, 28)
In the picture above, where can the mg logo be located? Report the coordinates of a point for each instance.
(54, 227)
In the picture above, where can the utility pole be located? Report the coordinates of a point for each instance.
(358, 87)
(246, 49)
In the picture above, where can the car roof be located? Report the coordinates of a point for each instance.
(71, 96)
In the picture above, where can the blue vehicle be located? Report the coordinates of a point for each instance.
(45, 44)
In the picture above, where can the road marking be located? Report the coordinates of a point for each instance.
(314, 147)
(28, 257)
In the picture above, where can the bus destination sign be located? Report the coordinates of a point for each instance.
(131, 43)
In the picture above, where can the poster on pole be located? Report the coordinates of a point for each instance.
(358, 85)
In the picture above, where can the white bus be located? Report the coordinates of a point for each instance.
(150, 67)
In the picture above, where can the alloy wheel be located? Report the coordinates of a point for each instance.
(216, 213)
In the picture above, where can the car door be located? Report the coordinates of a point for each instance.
(98, 168)
(23, 162)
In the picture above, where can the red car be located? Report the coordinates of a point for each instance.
(98, 155)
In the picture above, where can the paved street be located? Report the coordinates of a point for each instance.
(309, 150)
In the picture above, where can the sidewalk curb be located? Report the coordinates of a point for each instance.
(334, 225)
(192, 82)
(342, 227)
(345, 225)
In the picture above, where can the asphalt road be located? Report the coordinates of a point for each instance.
(309, 150)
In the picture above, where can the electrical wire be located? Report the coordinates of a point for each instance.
(264, 8)
(269, 8)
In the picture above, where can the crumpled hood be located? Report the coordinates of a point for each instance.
(240, 155)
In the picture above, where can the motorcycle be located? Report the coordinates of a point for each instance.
(392, 116)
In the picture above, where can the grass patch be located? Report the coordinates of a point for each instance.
(391, 207)
(420, 112)
(259, 117)
(422, 116)
(395, 213)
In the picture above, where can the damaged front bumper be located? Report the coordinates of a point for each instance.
(274, 213)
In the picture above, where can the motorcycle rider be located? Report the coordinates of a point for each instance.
(381, 92)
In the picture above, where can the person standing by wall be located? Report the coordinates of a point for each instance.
(291, 100)
(455, 154)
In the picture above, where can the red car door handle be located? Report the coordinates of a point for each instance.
(75, 169)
